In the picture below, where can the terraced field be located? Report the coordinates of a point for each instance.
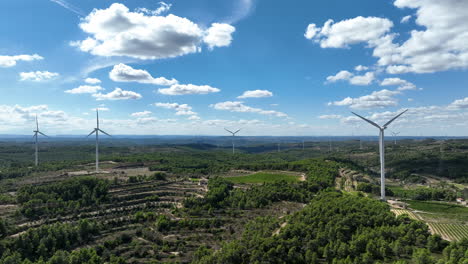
(144, 221)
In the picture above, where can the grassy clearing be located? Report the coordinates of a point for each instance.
(264, 177)
(438, 207)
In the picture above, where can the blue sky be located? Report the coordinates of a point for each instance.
(268, 67)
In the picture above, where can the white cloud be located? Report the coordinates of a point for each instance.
(441, 45)
(459, 104)
(101, 108)
(403, 84)
(116, 31)
(10, 61)
(256, 94)
(377, 99)
(405, 19)
(141, 114)
(38, 76)
(184, 89)
(85, 89)
(181, 109)
(92, 81)
(342, 75)
(350, 31)
(219, 35)
(237, 106)
(117, 94)
(163, 8)
(365, 79)
(393, 81)
(194, 118)
(330, 116)
(361, 68)
(125, 73)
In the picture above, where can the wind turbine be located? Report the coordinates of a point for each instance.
(233, 135)
(97, 130)
(381, 150)
(35, 136)
(394, 134)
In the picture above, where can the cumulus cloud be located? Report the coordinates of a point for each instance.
(163, 8)
(116, 31)
(92, 81)
(141, 114)
(117, 94)
(219, 35)
(459, 104)
(342, 75)
(365, 79)
(10, 61)
(38, 76)
(237, 106)
(361, 68)
(403, 84)
(256, 94)
(330, 116)
(377, 99)
(184, 89)
(85, 89)
(350, 31)
(125, 73)
(438, 44)
(181, 109)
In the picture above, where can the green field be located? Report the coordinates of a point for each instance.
(440, 209)
(264, 177)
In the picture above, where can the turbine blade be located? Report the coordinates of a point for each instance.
(35, 135)
(237, 131)
(367, 120)
(43, 134)
(37, 124)
(104, 132)
(97, 118)
(92, 132)
(228, 131)
(393, 119)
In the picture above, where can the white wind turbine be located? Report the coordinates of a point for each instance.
(233, 135)
(381, 150)
(97, 130)
(35, 136)
(394, 134)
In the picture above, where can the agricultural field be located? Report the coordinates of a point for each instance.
(451, 232)
(399, 212)
(179, 203)
(264, 177)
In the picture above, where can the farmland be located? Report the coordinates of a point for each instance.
(179, 204)
(264, 177)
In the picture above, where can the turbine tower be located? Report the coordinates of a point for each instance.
(394, 134)
(233, 135)
(35, 136)
(381, 150)
(97, 130)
